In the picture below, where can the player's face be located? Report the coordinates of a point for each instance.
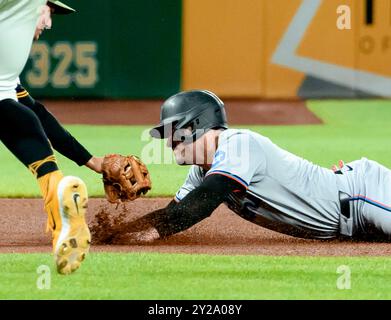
(187, 151)
(44, 21)
(181, 143)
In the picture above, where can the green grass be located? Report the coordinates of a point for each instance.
(352, 129)
(177, 276)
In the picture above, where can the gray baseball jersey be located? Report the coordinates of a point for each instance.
(291, 195)
(17, 17)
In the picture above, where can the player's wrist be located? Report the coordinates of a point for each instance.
(95, 163)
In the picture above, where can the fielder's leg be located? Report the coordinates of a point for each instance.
(65, 197)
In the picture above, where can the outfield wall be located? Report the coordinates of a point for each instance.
(248, 48)
(119, 49)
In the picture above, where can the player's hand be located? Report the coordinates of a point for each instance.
(44, 22)
(342, 168)
(145, 236)
(341, 164)
(95, 163)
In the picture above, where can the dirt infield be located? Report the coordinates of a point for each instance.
(22, 225)
(114, 112)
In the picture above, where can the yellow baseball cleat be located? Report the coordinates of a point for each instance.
(71, 236)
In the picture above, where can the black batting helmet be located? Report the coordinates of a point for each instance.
(198, 109)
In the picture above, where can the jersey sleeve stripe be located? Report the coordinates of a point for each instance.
(177, 198)
(231, 176)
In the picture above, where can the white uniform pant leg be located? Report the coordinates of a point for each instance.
(375, 202)
(18, 20)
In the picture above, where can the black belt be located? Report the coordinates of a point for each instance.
(344, 201)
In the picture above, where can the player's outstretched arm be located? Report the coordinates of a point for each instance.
(176, 217)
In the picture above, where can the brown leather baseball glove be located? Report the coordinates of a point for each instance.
(125, 178)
